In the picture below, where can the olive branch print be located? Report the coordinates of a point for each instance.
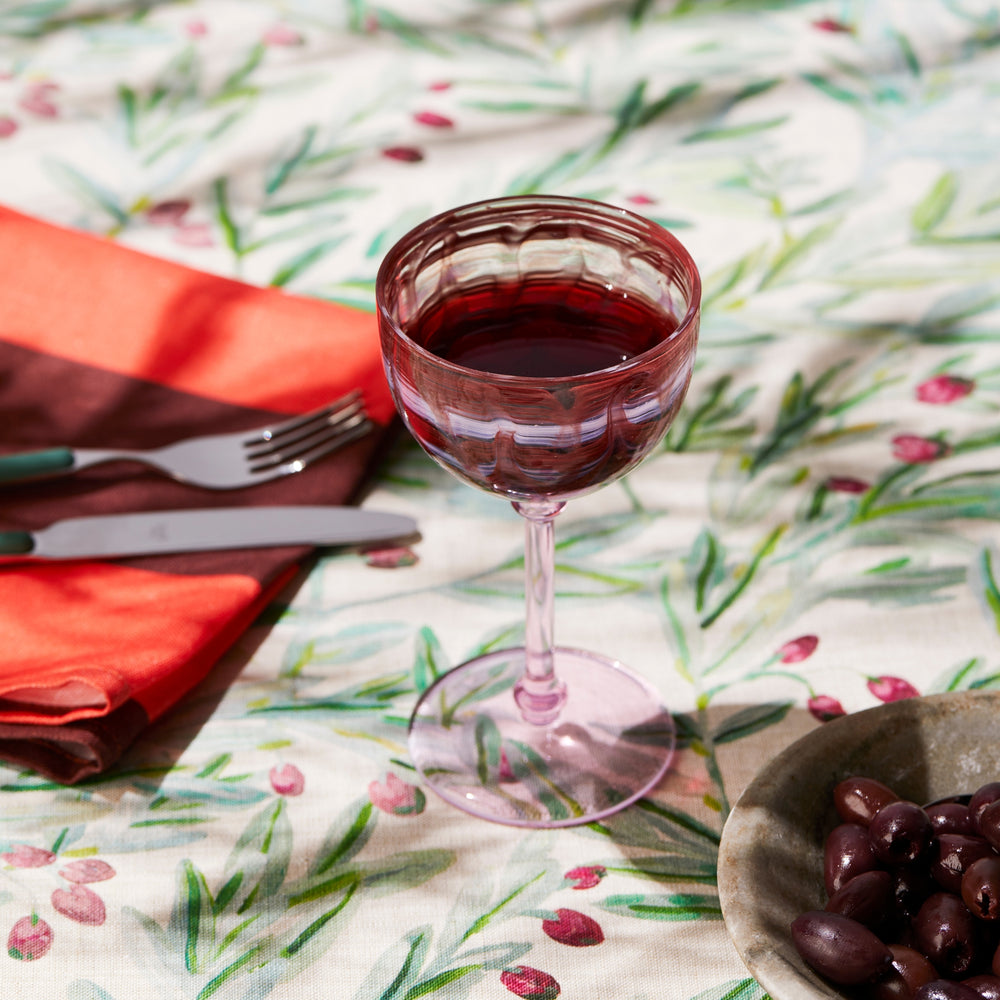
(254, 925)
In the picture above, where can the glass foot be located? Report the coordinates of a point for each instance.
(611, 742)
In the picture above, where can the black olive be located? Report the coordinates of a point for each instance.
(945, 932)
(840, 948)
(848, 852)
(900, 832)
(981, 887)
(945, 989)
(952, 853)
(867, 898)
(857, 799)
(949, 817)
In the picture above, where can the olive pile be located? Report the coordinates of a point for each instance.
(913, 910)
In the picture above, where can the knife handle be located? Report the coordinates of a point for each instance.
(16, 543)
(35, 464)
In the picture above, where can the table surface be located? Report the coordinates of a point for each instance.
(816, 536)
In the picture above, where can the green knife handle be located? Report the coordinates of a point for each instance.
(16, 543)
(35, 464)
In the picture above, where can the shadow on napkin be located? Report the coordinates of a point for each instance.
(125, 350)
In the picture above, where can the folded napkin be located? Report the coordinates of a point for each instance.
(101, 346)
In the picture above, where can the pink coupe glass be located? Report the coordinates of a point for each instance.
(539, 348)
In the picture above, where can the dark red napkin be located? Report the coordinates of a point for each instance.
(101, 346)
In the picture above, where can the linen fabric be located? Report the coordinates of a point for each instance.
(101, 346)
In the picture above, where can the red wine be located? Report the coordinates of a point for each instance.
(575, 418)
(552, 328)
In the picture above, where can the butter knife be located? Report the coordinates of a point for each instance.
(111, 536)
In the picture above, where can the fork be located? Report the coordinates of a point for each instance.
(216, 461)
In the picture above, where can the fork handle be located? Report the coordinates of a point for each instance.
(16, 543)
(36, 464)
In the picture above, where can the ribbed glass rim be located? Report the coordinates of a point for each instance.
(562, 208)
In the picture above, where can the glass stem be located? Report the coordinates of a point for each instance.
(539, 693)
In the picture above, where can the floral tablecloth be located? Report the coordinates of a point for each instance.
(816, 535)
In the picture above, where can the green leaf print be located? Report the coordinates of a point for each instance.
(488, 749)
(741, 581)
(834, 90)
(932, 210)
(794, 249)
(92, 191)
(260, 858)
(429, 661)
(677, 906)
(802, 408)
(345, 645)
(235, 84)
(750, 720)
(302, 261)
(987, 573)
(347, 835)
(192, 917)
(724, 132)
(256, 929)
(280, 171)
(972, 675)
(422, 962)
(28, 20)
(714, 420)
(738, 989)
(673, 846)
(401, 960)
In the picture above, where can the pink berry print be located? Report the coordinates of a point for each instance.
(168, 213)
(823, 707)
(26, 856)
(37, 99)
(433, 119)
(80, 904)
(574, 929)
(832, 26)
(287, 779)
(944, 389)
(531, 984)
(391, 558)
(396, 797)
(887, 688)
(405, 154)
(87, 870)
(916, 450)
(281, 35)
(29, 938)
(587, 876)
(846, 484)
(797, 650)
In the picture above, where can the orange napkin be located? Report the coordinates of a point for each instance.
(101, 346)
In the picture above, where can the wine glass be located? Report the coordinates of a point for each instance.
(538, 348)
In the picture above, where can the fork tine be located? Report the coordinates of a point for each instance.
(303, 450)
(321, 422)
(346, 436)
(265, 435)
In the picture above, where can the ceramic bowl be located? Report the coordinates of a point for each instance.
(771, 856)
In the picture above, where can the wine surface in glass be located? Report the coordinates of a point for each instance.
(542, 328)
(558, 388)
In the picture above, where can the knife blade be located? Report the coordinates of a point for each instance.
(110, 536)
